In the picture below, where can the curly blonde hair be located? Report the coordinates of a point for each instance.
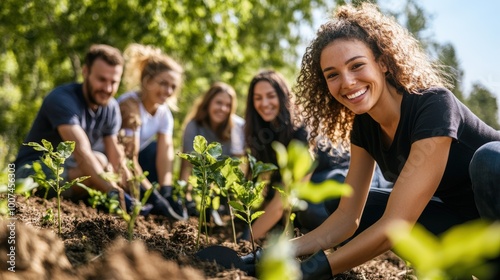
(143, 61)
(409, 68)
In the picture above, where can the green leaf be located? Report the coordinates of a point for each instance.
(318, 192)
(214, 149)
(25, 185)
(299, 159)
(239, 216)
(256, 215)
(260, 168)
(65, 149)
(36, 146)
(199, 144)
(48, 145)
(278, 262)
(281, 154)
(416, 245)
(237, 206)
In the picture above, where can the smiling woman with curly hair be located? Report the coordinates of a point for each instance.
(366, 83)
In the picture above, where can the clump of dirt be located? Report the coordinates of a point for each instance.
(93, 245)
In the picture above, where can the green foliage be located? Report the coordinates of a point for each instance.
(295, 162)
(48, 218)
(447, 55)
(207, 163)
(54, 160)
(99, 199)
(484, 104)
(247, 193)
(137, 203)
(458, 253)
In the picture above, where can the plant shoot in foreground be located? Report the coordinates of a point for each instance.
(295, 164)
(54, 160)
(247, 193)
(206, 163)
(458, 253)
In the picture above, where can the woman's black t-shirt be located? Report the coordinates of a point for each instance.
(433, 112)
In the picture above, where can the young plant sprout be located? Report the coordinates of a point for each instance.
(247, 192)
(458, 252)
(206, 163)
(54, 160)
(137, 203)
(295, 162)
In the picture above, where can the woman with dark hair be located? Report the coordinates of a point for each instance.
(269, 118)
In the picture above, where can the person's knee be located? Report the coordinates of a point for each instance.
(103, 160)
(484, 171)
(486, 159)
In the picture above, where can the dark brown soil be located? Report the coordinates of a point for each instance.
(93, 246)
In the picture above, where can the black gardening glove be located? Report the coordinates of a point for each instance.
(250, 261)
(316, 267)
(166, 206)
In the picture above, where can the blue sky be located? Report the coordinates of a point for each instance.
(472, 28)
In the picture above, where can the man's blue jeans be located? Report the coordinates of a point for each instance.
(484, 170)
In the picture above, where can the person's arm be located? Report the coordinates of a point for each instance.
(88, 164)
(116, 157)
(345, 219)
(412, 191)
(186, 169)
(164, 159)
(187, 147)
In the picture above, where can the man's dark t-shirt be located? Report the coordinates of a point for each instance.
(435, 112)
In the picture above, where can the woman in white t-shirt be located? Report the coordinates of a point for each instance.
(154, 80)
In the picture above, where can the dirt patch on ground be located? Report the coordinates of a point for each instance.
(93, 246)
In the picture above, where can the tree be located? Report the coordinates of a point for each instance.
(484, 104)
(448, 57)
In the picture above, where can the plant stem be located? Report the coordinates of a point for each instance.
(231, 214)
(249, 222)
(58, 191)
(59, 211)
(130, 227)
(204, 191)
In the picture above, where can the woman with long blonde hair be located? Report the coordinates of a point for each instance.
(153, 80)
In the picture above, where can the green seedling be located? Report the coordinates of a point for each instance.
(54, 160)
(111, 202)
(48, 218)
(99, 199)
(137, 203)
(206, 161)
(295, 163)
(458, 253)
(247, 193)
